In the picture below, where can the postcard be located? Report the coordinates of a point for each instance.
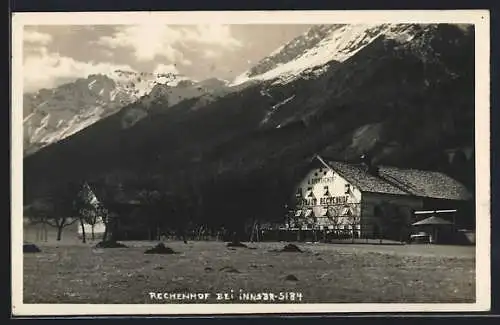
(172, 163)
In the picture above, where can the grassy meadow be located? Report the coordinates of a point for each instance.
(322, 273)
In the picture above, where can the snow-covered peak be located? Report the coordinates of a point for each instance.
(213, 83)
(54, 114)
(319, 46)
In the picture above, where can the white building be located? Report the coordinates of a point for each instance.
(365, 201)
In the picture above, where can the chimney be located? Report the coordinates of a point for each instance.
(368, 165)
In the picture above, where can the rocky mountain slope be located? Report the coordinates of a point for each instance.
(402, 93)
(54, 114)
(310, 53)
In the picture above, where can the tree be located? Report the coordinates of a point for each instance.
(57, 209)
(82, 208)
(105, 216)
(92, 209)
(354, 218)
(68, 204)
(38, 213)
(92, 219)
(334, 213)
(108, 209)
(82, 225)
(63, 217)
(151, 200)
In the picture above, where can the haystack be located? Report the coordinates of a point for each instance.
(110, 244)
(30, 248)
(291, 248)
(236, 244)
(160, 249)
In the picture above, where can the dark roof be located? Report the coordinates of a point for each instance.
(363, 180)
(400, 181)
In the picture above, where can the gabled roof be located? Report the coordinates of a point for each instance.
(363, 180)
(432, 221)
(400, 181)
(114, 194)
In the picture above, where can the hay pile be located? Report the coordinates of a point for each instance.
(236, 244)
(291, 277)
(229, 269)
(160, 249)
(31, 248)
(110, 244)
(291, 248)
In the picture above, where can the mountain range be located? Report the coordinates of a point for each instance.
(54, 114)
(403, 93)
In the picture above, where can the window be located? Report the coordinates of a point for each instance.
(310, 192)
(326, 191)
(347, 188)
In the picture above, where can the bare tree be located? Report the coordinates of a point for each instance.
(106, 217)
(354, 217)
(58, 209)
(107, 208)
(334, 213)
(61, 220)
(38, 213)
(92, 218)
(83, 208)
(354, 221)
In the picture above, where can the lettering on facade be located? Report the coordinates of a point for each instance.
(324, 200)
(313, 181)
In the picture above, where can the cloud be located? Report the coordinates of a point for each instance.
(166, 69)
(212, 35)
(186, 62)
(210, 54)
(48, 70)
(37, 37)
(107, 52)
(149, 41)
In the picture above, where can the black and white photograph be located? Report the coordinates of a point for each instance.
(250, 162)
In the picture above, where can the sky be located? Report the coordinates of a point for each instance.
(53, 55)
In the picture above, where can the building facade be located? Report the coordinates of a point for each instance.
(326, 200)
(361, 200)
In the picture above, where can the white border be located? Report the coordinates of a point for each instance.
(480, 18)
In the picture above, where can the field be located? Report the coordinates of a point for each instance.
(322, 273)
